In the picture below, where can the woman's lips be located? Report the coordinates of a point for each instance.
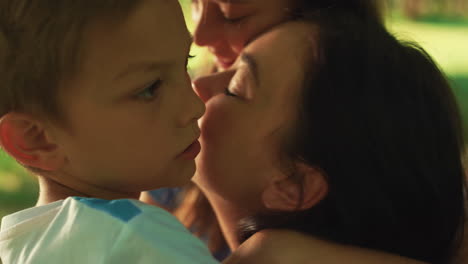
(192, 151)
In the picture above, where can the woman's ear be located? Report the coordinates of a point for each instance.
(284, 193)
(26, 139)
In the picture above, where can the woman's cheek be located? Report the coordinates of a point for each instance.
(217, 122)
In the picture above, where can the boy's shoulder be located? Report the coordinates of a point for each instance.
(123, 210)
(132, 215)
(90, 230)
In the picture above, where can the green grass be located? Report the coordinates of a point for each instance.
(18, 189)
(460, 87)
(445, 41)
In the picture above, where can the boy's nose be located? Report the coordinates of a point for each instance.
(193, 108)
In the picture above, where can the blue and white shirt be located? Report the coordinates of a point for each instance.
(85, 230)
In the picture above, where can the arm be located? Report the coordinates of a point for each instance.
(282, 246)
(164, 198)
(462, 256)
(146, 198)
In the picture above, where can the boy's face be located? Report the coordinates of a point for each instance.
(130, 110)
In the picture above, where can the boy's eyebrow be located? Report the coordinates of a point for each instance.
(146, 66)
(252, 64)
(190, 40)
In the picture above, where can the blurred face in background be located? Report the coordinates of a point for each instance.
(225, 27)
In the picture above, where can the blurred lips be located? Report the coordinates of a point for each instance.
(224, 63)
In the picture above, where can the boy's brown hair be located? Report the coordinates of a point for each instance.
(40, 47)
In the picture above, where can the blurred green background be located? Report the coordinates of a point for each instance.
(440, 26)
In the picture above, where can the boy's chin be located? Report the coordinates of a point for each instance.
(182, 175)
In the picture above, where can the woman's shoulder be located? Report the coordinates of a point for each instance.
(269, 246)
(285, 246)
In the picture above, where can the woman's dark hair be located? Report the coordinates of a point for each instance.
(379, 119)
(371, 10)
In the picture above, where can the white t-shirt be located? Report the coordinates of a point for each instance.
(84, 230)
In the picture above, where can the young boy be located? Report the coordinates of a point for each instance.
(95, 99)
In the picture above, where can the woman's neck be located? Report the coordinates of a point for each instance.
(228, 216)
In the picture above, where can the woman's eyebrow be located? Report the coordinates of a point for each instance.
(253, 66)
(233, 1)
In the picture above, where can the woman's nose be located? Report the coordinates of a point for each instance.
(208, 86)
(202, 87)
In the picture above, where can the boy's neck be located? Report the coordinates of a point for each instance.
(52, 191)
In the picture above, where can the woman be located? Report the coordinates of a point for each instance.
(225, 27)
(348, 152)
(241, 22)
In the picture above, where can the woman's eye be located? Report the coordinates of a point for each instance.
(227, 92)
(236, 20)
(150, 91)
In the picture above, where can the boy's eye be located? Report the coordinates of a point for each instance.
(189, 57)
(150, 91)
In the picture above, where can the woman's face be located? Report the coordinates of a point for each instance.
(226, 26)
(250, 109)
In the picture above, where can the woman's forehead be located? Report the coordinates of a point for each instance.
(280, 56)
(240, 2)
(292, 38)
(233, 1)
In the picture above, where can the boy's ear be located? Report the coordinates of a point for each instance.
(25, 139)
(284, 193)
